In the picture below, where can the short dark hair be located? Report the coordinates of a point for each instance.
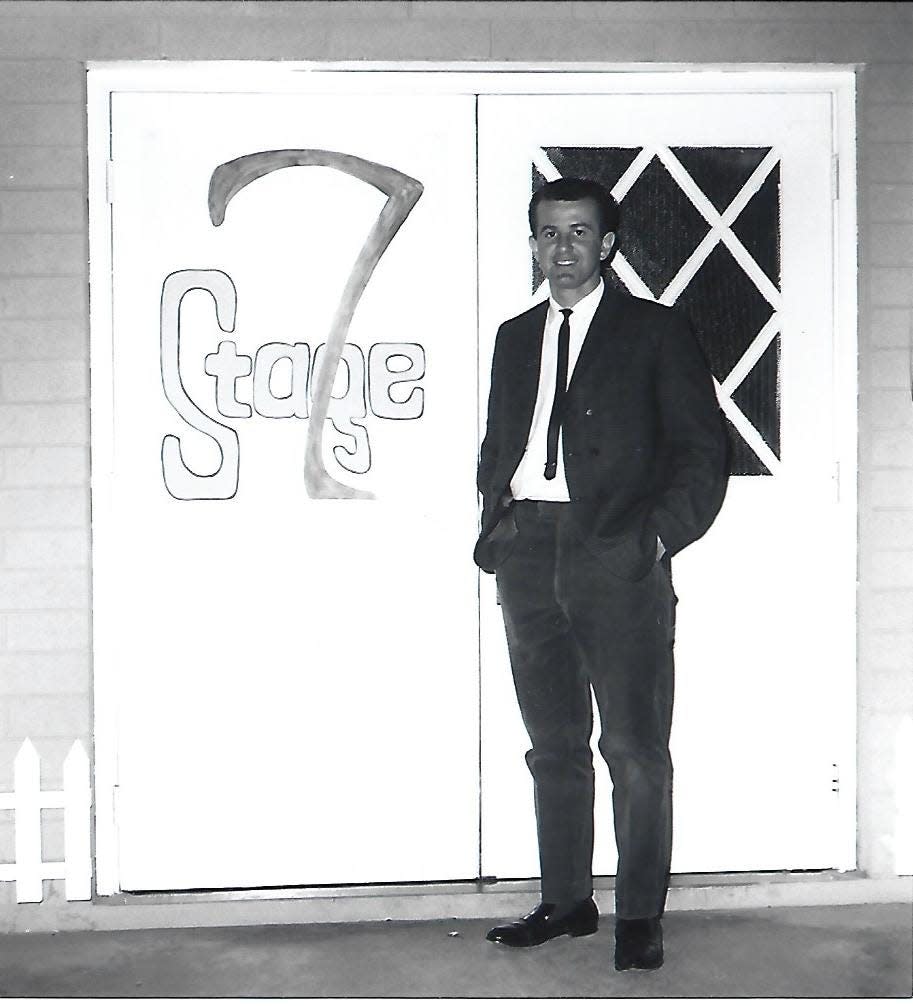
(567, 190)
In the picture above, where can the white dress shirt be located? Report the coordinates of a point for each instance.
(529, 481)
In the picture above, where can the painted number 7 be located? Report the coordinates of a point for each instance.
(402, 194)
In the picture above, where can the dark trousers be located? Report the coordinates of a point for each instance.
(572, 625)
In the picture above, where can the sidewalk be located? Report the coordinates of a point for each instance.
(855, 951)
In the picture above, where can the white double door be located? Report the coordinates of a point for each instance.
(295, 681)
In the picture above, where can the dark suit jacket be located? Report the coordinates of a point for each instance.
(643, 438)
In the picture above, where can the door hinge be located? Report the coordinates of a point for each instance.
(835, 777)
(835, 178)
(109, 181)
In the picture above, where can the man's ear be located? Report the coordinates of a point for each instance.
(608, 242)
(533, 247)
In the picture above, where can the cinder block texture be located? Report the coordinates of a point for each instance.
(889, 123)
(66, 31)
(59, 124)
(891, 287)
(889, 203)
(890, 368)
(48, 254)
(889, 569)
(889, 609)
(889, 82)
(45, 466)
(44, 381)
(44, 673)
(415, 39)
(41, 507)
(888, 652)
(27, 425)
(887, 407)
(588, 40)
(891, 327)
(46, 549)
(42, 211)
(43, 716)
(41, 167)
(47, 631)
(27, 590)
(891, 529)
(892, 244)
(55, 339)
(893, 488)
(43, 297)
(737, 41)
(44, 416)
(248, 37)
(890, 161)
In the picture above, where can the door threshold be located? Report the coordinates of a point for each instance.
(487, 887)
(430, 902)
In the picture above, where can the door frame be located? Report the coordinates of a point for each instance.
(105, 78)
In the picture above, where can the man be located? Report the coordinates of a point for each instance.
(604, 455)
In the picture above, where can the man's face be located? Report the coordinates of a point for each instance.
(569, 248)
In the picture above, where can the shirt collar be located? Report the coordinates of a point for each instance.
(585, 308)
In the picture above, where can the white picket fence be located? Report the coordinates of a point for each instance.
(27, 802)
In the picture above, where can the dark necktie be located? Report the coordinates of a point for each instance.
(554, 422)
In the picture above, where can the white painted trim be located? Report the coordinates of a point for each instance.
(846, 443)
(104, 666)
(492, 78)
(465, 78)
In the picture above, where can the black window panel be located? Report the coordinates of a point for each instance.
(538, 277)
(758, 226)
(726, 309)
(758, 396)
(742, 459)
(602, 164)
(720, 172)
(660, 227)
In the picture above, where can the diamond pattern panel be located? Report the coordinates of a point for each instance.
(720, 172)
(742, 459)
(726, 310)
(603, 164)
(758, 226)
(758, 396)
(660, 227)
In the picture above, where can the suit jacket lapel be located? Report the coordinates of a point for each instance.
(607, 318)
(526, 371)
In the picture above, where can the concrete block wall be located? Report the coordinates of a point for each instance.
(45, 669)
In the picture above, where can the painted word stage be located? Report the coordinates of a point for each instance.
(386, 383)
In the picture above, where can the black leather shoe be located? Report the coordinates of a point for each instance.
(638, 944)
(542, 925)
